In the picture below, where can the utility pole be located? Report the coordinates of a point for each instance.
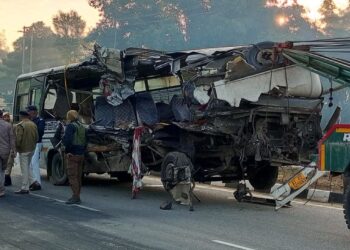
(25, 29)
(31, 51)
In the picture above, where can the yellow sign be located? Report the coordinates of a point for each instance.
(298, 181)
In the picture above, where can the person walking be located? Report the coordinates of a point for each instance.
(35, 162)
(8, 182)
(7, 145)
(26, 139)
(74, 141)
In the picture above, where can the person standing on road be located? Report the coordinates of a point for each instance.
(7, 146)
(8, 182)
(35, 163)
(74, 141)
(26, 139)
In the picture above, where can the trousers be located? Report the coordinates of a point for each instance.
(10, 163)
(35, 163)
(3, 165)
(27, 176)
(74, 172)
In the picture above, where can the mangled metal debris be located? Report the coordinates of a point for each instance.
(226, 114)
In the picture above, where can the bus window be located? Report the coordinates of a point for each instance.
(140, 86)
(23, 87)
(162, 82)
(22, 101)
(35, 95)
(22, 95)
(50, 99)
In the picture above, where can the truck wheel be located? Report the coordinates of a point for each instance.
(264, 178)
(176, 167)
(346, 201)
(58, 172)
(124, 177)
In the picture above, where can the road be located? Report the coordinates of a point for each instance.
(109, 219)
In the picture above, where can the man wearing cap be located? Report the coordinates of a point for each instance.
(7, 144)
(35, 163)
(8, 182)
(26, 139)
(74, 141)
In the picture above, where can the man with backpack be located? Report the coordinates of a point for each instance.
(74, 141)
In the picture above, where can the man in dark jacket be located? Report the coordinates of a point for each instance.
(35, 163)
(75, 142)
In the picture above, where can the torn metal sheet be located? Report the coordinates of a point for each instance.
(111, 58)
(292, 80)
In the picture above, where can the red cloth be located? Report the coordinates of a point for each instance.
(136, 161)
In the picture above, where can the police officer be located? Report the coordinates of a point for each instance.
(75, 141)
(35, 163)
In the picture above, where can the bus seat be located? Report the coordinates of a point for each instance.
(104, 112)
(164, 112)
(124, 115)
(180, 109)
(146, 108)
(62, 106)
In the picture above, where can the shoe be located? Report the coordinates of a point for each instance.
(35, 186)
(22, 191)
(8, 181)
(72, 201)
(2, 194)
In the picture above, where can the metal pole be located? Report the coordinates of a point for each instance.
(115, 34)
(23, 48)
(31, 52)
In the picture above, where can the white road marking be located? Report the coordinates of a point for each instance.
(87, 208)
(61, 201)
(153, 185)
(317, 205)
(232, 245)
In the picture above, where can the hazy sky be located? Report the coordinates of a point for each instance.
(14, 14)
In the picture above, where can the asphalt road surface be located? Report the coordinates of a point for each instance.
(109, 219)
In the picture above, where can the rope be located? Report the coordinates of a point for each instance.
(66, 85)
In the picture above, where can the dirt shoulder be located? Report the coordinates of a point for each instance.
(328, 182)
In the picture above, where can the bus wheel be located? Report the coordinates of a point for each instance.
(346, 203)
(264, 178)
(58, 172)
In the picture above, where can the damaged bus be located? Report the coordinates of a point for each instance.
(224, 114)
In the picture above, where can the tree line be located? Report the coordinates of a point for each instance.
(156, 24)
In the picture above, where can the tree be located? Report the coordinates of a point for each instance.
(3, 46)
(142, 23)
(69, 24)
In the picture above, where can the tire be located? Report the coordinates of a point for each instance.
(170, 162)
(253, 56)
(124, 177)
(346, 202)
(58, 171)
(264, 178)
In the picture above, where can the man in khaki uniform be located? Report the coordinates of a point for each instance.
(7, 144)
(26, 138)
